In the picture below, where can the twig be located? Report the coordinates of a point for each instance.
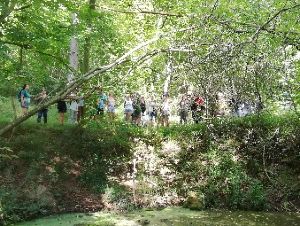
(141, 12)
(23, 7)
(254, 37)
(30, 47)
(264, 164)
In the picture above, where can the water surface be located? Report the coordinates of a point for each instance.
(174, 216)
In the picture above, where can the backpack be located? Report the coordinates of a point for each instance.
(19, 95)
(143, 107)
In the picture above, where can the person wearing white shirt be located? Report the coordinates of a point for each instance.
(165, 111)
(73, 111)
(128, 108)
(111, 108)
(80, 108)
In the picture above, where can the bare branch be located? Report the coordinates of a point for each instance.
(254, 37)
(6, 11)
(92, 73)
(213, 9)
(141, 12)
(74, 84)
(32, 48)
(23, 7)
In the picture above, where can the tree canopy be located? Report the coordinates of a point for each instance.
(248, 50)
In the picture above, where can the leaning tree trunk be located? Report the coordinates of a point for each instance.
(77, 83)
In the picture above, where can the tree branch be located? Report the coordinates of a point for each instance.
(142, 59)
(254, 37)
(32, 48)
(23, 7)
(140, 12)
(7, 10)
(87, 76)
(76, 83)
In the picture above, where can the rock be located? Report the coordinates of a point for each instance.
(144, 222)
(195, 201)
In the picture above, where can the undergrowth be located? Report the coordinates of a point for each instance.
(249, 163)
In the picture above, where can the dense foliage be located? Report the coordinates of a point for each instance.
(245, 49)
(250, 164)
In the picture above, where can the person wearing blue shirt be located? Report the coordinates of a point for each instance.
(101, 104)
(25, 99)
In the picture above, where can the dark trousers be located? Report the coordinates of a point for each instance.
(197, 116)
(80, 113)
(183, 116)
(100, 111)
(42, 113)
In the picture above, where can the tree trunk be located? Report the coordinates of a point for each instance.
(73, 50)
(18, 71)
(13, 104)
(169, 71)
(87, 44)
(258, 95)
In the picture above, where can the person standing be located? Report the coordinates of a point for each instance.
(197, 108)
(111, 109)
(152, 110)
(101, 104)
(73, 111)
(80, 108)
(183, 110)
(165, 111)
(143, 105)
(194, 108)
(137, 111)
(128, 108)
(25, 99)
(62, 109)
(43, 112)
(144, 116)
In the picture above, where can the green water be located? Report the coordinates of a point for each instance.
(169, 217)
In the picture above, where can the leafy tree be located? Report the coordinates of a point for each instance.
(240, 49)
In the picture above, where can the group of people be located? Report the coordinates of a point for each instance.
(194, 104)
(140, 111)
(76, 108)
(106, 102)
(76, 105)
(25, 99)
(134, 107)
(137, 110)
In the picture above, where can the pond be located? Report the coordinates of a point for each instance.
(174, 216)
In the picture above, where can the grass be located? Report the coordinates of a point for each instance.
(7, 114)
